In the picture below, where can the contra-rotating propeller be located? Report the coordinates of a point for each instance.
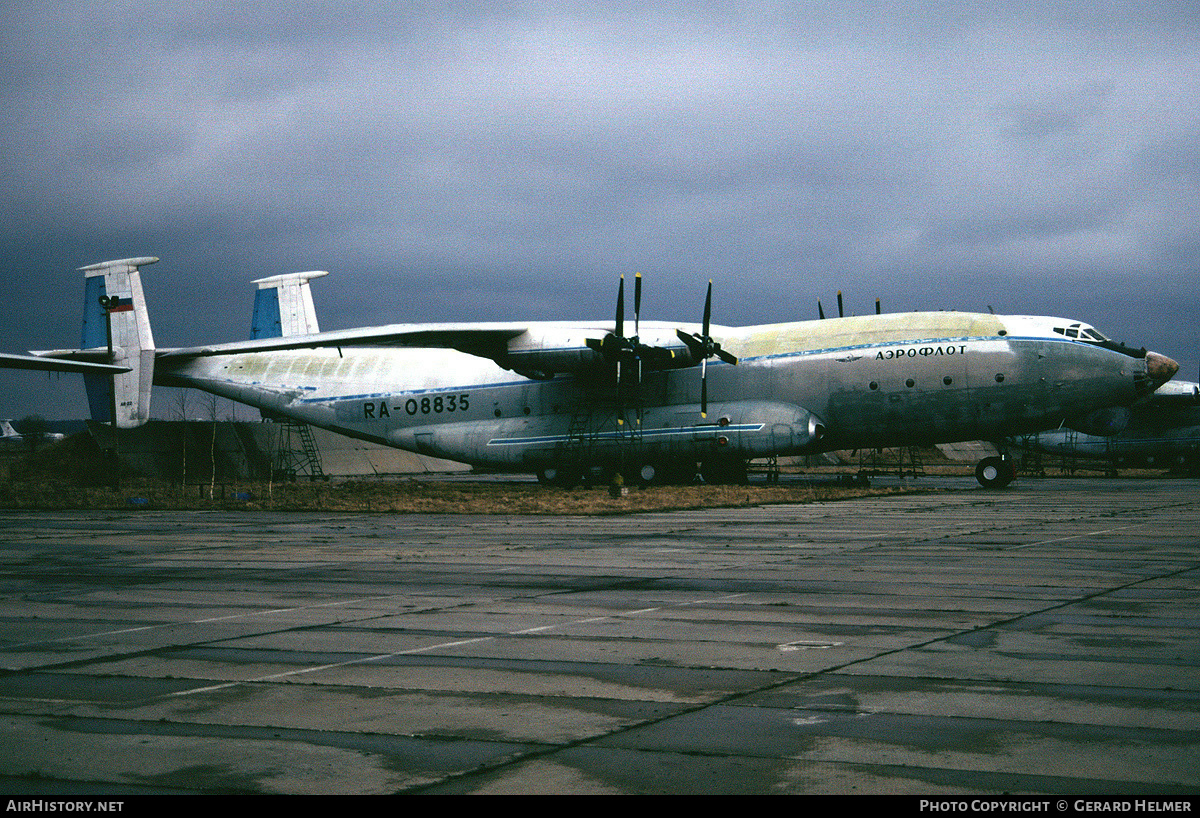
(621, 351)
(627, 354)
(702, 347)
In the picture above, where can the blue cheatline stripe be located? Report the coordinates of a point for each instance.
(644, 433)
(434, 390)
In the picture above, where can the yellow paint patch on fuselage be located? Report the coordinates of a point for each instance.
(836, 333)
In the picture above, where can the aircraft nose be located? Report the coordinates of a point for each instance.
(1160, 368)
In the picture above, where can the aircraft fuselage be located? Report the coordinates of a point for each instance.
(873, 381)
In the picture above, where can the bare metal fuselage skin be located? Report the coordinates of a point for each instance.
(873, 381)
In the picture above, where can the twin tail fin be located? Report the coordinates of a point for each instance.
(115, 318)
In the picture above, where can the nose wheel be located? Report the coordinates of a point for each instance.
(996, 472)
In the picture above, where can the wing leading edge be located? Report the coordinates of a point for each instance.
(485, 340)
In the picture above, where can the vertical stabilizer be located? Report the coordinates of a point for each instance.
(283, 306)
(113, 297)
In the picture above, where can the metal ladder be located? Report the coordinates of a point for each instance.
(298, 453)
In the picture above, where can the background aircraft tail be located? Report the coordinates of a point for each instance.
(283, 306)
(113, 298)
(8, 431)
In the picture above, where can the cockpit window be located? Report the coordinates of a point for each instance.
(1080, 331)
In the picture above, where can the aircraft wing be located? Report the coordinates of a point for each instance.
(537, 350)
(485, 340)
(47, 362)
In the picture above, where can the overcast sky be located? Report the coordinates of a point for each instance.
(508, 161)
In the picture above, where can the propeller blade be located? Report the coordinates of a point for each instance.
(840, 313)
(637, 303)
(620, 331)
(877, 307)
(691, 342)
(820, 310)
(701, 347)
(707, 309)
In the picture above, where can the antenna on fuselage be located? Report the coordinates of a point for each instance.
(841, 310)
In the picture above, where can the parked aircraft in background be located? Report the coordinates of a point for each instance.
(9, 434)
(565, 398)
(1163, 431)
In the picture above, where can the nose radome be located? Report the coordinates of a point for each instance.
(1160, 368)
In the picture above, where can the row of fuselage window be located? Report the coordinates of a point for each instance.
(948, 381)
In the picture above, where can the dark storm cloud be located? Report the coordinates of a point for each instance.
(506, 161)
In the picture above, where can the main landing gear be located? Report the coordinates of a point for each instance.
(657, 472)
(562, 476)
(996, 472)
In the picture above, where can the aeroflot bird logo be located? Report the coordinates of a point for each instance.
(921, 352)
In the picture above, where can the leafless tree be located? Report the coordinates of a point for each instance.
(209, 402)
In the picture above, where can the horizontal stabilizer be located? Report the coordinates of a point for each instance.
(47, 364)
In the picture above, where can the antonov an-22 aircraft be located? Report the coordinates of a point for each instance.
(565, 399)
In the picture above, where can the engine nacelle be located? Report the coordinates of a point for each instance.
(735, 429)
(551, 350)
(1102, 422)
(749, 429)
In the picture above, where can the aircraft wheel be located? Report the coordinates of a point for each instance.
(995, 472)
(648, 474)
(558, 476)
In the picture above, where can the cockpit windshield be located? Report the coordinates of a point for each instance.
(1081, 331)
